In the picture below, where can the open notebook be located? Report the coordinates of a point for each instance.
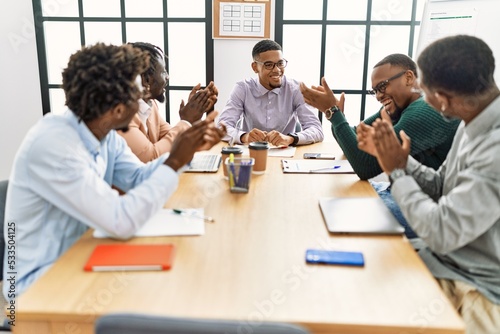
(204, 163)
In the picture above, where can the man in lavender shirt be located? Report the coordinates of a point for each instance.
(270, 107)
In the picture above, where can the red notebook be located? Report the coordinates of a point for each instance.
(118, 257)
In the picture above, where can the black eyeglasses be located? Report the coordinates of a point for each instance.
(269, 65)
(382, 86)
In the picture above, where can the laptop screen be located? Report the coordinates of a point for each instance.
(359, 215)
(204, 163)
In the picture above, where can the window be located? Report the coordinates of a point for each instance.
(182, 28)
(343, 40)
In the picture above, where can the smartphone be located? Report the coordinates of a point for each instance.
(326, 156)
(335, 257)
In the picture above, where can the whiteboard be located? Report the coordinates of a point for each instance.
(478, 18)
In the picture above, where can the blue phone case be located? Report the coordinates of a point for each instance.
(335, 257)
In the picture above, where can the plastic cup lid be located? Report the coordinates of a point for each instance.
(231, 149)
(259, 145)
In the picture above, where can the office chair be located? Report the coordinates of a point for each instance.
(3, 198)
(4, 326)
(126, 323)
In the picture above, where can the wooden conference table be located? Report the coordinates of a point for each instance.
(249, 265)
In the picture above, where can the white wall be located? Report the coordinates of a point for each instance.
(20, 98)
(233, 62)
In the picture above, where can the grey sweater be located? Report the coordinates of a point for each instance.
(456, 209)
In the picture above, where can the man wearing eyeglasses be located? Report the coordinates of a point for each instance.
(270, 107)
(393, 81)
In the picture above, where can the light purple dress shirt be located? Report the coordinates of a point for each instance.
(278, 109)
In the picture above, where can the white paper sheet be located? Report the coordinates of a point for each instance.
(168, 223)
(313, 166)
(285, 152)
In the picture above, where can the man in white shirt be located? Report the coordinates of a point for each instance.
(63, 172)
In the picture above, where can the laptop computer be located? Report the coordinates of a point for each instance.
(204, 163)
(358, 215)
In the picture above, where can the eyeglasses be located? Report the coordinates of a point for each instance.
(269, 65)
(381, 87)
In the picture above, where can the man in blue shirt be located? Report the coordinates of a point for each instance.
(63, 172)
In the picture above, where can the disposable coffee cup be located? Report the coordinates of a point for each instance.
(258, 150)
(236, 151)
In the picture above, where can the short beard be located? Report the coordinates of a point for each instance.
(396, 115)
(275, 86)
(160, 98)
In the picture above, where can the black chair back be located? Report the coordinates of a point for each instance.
(124, 323)
(3, 197)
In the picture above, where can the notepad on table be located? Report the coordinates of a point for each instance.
(313, 166)
(118, 257)
(168, 223)
(274, 151)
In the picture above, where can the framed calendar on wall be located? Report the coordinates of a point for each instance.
(241, 19)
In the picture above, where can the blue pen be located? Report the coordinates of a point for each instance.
(243, 178)
(323, 169)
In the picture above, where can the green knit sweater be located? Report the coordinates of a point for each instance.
(431, 138)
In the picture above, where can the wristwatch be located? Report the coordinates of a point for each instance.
(295, 138)
(329, 112)
(396, 174)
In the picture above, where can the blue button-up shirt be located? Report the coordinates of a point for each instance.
(61, 184)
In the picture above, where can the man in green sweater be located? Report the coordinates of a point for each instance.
(393, 80)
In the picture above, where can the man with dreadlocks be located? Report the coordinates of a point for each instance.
(150, 135)
(62, 175)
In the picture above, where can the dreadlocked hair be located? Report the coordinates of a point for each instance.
(155, 53)
(99, 77)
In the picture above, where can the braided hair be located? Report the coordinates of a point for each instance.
(154, 51)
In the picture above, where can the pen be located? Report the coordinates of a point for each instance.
(323, 169)
(193, 214)
(232, 171)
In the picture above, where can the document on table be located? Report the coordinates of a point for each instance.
(313, 166)
(168, 223)
(274, 151)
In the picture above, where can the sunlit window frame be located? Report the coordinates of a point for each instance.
(123, 19)
(368, 23)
